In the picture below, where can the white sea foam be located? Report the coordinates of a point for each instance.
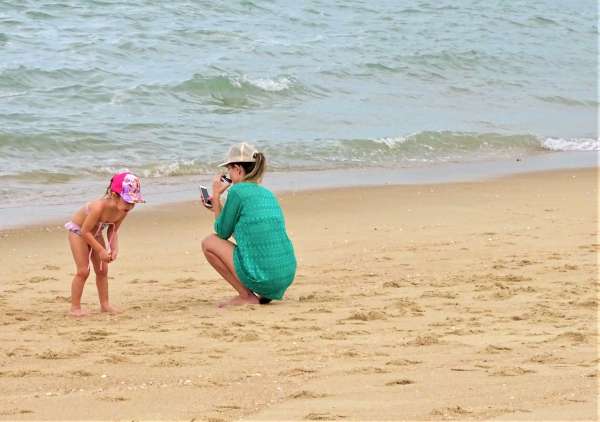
(391, 141)
(280, 84)
(571, 144)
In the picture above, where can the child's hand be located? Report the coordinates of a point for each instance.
(105, 256)
(113, 255)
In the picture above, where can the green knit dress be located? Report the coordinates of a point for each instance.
(264, 257)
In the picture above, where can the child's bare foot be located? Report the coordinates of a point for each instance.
(110, 309)
(78, 313)
(239, 300)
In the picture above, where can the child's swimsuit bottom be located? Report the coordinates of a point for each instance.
(76, 229)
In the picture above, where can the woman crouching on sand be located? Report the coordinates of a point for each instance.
(261, 263)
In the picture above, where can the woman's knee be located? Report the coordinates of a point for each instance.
(208, 243)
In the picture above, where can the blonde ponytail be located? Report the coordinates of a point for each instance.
(256, 170)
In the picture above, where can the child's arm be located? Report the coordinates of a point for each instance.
(89, 223)
(113, 238)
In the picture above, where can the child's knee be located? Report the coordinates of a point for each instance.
(83, 273)
(102, 273)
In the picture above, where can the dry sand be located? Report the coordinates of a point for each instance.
(432, 302)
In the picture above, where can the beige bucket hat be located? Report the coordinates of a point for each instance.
(240, 153)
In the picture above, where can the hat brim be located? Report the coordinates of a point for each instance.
(236, 162)
(132, 199)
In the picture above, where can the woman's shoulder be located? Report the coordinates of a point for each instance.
(248, 187)
(249, 191)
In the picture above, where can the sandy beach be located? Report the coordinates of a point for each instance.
(421, 302)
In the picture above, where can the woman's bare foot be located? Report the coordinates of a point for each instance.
(110, 309)
(239, 300)
(78, 313)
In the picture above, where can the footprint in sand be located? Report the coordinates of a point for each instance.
(297, 372)
(95, 335)
(185, 283)
(81, 373)
(454, 411)
(12, 412)
(511, 278)
(39, 279)
(440, 294)
(114, 359)
(338, 335)
(307, 395)
(403, 381)
(570, 337)
(464, 332)
(350, 354)
(219, 333)
(224, 407)
(113, 398)
(492, 349)
(52, 355)
(544, 358)
(316, 311)
(565, 268)
(246, 337)
(21, 373)
(587, 303)
(315, 416)
(138, 281)
(392, 285)
(594, 247)
(512, 371)
(426, 340)
(318, 298)
(368, 370)
(405, 306)
(367, 316)
(403, 362)
(525, 262)
(169, 363)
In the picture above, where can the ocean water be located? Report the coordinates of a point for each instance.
(163, 88)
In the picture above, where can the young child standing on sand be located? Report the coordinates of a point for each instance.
(86, 240)
(261, 264)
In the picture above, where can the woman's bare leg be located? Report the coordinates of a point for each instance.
(80, 251)
(219, 254)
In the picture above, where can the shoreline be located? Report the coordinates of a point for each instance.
(185, 188)
(407, 299)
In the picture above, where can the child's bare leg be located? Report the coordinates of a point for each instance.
(219, 254)
(101, 270)
(80, 251)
